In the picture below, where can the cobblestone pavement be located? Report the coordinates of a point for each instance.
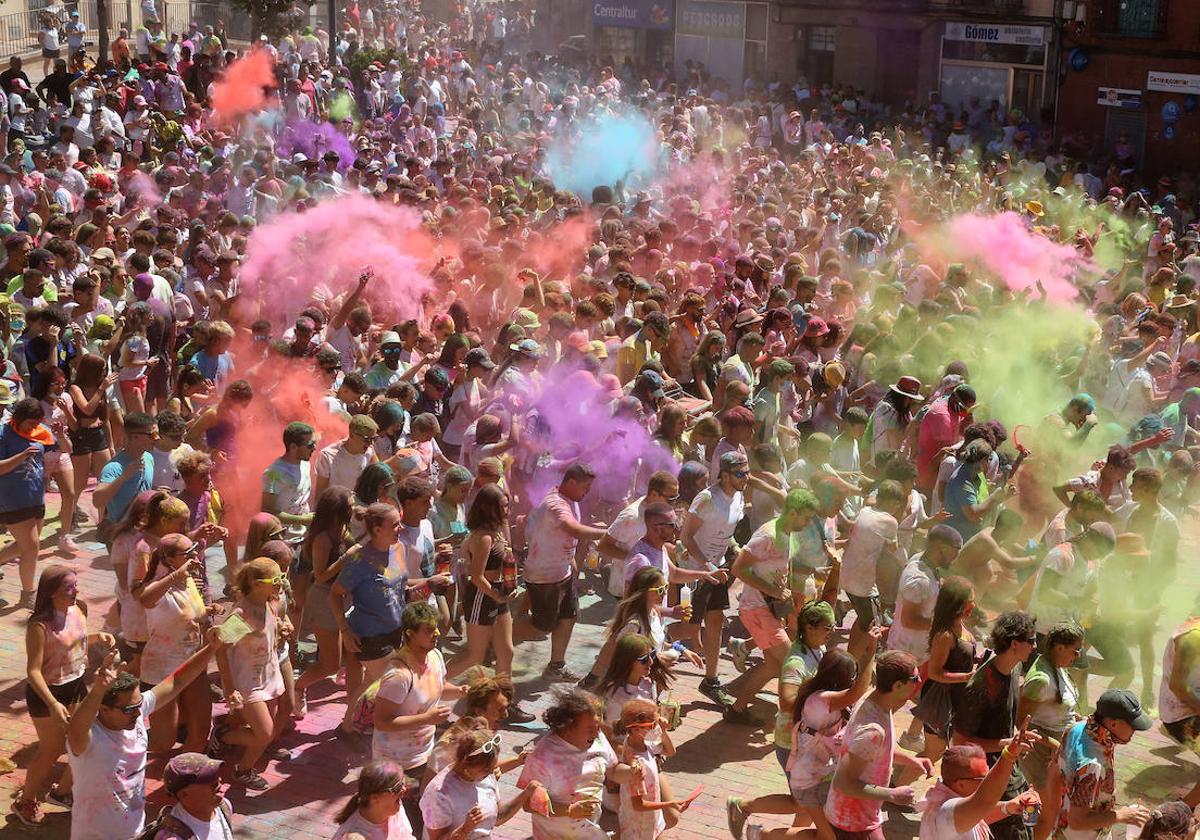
(306, 792)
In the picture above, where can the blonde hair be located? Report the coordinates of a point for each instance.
(258, 568)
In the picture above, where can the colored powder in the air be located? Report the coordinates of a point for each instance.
(611, 149)
(243, 87)
(574, 420)
(341, 107)
(314, 139)
(142, 190)
(318, 254)
(1004, 246)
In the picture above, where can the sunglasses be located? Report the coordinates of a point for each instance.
(914, 678)
(272, 580)
(487, 747)
(130, 711)
(309, 444)
(659, 589)
(187, 552)
(647, 658)
(741, 473)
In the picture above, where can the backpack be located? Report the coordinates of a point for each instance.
(169, 822)
(362, 719)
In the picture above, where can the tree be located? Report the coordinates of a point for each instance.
(102, 29)
(272, 17)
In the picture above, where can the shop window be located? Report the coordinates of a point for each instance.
(822, 38)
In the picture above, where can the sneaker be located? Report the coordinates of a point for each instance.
(912, 743)
(518, 715)
(216, 747)
(250, 779)
(736, 816)
(739, 652)
(301, 710)
(558, 672)
(25, 602)
(28, 812)
(741, 717)
(588, 681)
(62, 800)
(280, 754)
(339, 679)
(66, 545)
(714, 691)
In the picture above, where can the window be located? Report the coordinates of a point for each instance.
(756, 21)
(1130, 18)
(822, 38)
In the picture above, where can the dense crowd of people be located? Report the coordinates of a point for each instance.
(757, 398)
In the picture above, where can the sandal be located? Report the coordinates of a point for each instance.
(62, 800)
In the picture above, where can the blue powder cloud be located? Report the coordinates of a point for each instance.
(611, 149)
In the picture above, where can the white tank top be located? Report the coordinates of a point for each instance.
(174, 626)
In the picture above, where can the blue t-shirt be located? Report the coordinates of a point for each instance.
(376, 581)
(962, 491)
(216, 369)
(127, 492)
(25, 486)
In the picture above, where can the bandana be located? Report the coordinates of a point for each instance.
(40, 434)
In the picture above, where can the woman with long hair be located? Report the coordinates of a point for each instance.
(888, 422)
(50, 391)
(176, 619)
(191, 386)
(249, 667)
(1049, 697)
(951, 663)
(263, 528)
(91, 447)
(125, 537)
(463, 800)
(635, 671)
(672, 423)
(489, 586)
(374, 810)
(56, 644)
(706, 366)
(321, 552)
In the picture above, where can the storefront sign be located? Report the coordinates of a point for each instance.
(1119, 98)
(997, 33)
(1173, 82)
(633, 14)
(712, 19)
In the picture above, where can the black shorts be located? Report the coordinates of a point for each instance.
(12, 517)
(708, 597)
(68, 694)
(550, 603)
(866, 611)
(477, 607)
(377, 647)
(89, 439)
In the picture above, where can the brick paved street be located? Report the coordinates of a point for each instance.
(306, 792)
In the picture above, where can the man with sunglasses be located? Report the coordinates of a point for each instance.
(340, 464)
(129, 472)
(662, 529)
(987, 711)
(970, 795)
(107, 742)
(1087, 761)
(630, 526)
(861, 782)
(286, 485)
(200, 811)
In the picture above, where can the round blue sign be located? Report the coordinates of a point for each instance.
(1079, 59)
(1171, 111)
(1169, 132)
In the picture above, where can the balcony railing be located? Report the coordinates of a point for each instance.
(1129, 18)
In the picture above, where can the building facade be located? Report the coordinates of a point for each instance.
(1132, 68)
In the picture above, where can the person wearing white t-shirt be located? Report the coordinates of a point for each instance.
(628, 528)
(917, 593)
(107, 741)
(194, 780)
(707, 536)
(873, 537)
(968, 796)
(349, 325)
(340, 464)
(374, 812)
(407, 707)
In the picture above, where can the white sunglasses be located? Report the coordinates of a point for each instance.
(487, 747)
